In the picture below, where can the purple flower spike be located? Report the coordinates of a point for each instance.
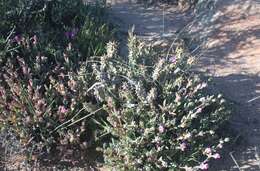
(67, 34)
(72, 34)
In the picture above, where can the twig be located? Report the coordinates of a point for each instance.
(92, 113)
(58, 127)
(177, 36)
(253, 99)
(11, 33)
(257, 157)
(94, 85)
(233, 158)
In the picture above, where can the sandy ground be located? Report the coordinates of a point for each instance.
(231, 56)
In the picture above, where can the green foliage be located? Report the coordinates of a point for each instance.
(58, 22)
(32, 15)
(159, 113)
(93, 37)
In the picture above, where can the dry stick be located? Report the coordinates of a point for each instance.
(254, 99)
(197, 48)
(11, 33)
(182, 30)
(94, 85)
(163, 20)
(257, 157)
(92, 113)
(58, 127)
(233, 158)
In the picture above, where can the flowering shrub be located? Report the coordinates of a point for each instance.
(160, 115)
(44, 79)
(44, 100)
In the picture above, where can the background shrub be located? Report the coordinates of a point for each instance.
(58, 22)
(44, 75)
(32, 15)
(93, 37)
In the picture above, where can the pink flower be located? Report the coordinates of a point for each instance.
(62, 110)
(220, 146)
(183, 146)
(199, 110)
(208, 151)
(17, 39)
(72, 84)
(204, 166)
(25, 70)
(216, 156)
(2, 92)
(161, 129)
(177, 97)
(31, 82)
(34, 40)
(173, 59)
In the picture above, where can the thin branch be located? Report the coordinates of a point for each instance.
(61, 125)
(233, 158)
(92, 113)
(94, 85)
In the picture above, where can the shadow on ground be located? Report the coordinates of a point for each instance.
(232, 58)
(150, 21)
(232, 37)
(243, 91)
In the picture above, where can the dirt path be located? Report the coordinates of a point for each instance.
(231, 56)
(151, 23)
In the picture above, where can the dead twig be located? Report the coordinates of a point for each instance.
(233, 158)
